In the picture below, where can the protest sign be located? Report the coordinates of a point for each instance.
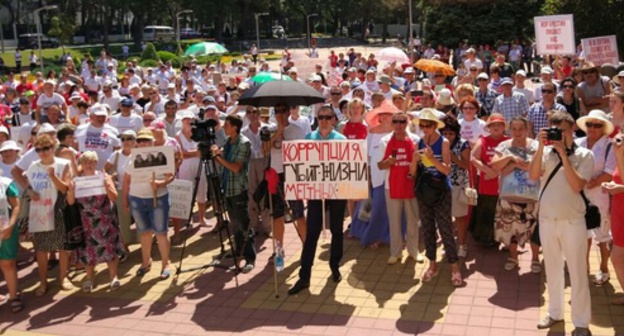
(334, 77)
(180, 197)
(87, 186)
(325, 169)
(149, 161)
(601, 50)
(554, 35)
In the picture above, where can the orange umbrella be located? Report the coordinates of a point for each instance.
(428, 65)
(372, 117)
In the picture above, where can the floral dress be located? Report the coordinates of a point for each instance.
(101, 231)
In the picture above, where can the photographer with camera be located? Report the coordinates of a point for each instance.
(234, 157)
(258, 133)
(564, 169)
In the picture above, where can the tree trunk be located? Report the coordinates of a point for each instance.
(384, 29)
(137, 28)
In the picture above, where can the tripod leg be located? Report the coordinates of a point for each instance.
(190, 217)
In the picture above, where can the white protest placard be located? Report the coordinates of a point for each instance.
(87, 186)
(601, 50)
(180, 197)
(334, 77)
(325, 169)
(554, 35)
(150, 161)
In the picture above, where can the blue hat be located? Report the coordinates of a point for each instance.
(127, 102)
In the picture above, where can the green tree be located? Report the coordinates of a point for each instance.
(63, 27)
(150, 53)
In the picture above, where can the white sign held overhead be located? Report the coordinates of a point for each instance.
(602, 49)
(554, 35)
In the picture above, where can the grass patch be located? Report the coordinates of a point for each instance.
(49, 55)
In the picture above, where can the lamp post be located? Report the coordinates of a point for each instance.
(257, 16)
(409, 28)
(309, 34)
(38, 19)
(186, 11)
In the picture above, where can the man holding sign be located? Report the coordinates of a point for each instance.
(325, 132)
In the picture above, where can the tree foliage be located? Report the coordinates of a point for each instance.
(150, 53)
(63, 27)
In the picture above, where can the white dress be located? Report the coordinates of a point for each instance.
(188, 168)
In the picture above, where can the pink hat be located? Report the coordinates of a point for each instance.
(157, 125)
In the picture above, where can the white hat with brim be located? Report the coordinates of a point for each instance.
(9, 145)
(98, 110)
(4, 130)
(429, 114)
(596, 115)
(46, 128)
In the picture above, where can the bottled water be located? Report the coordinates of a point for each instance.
(279, 258)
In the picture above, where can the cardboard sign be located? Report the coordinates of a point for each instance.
(601, 50)
(336, 169)
(180, 197)
(554, 35)
(87, 186)
(149, 161)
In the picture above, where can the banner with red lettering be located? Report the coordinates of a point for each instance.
(554, 35)
(325, 169)
(601, 50)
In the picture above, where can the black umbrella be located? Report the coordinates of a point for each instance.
(281, 91)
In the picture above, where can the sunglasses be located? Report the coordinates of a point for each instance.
(399, 121)
(148, 120)
(325, 117)
(471, 70)
(437, 76)
(588, 72)
(593, 125)
(43, 149)
(336, 93)
(482, 80)
(448, 133)
(568, 86)
(472, 108)
(548, 91)
(143, 140)
(251, 112)
(425, 126)
(123, 139)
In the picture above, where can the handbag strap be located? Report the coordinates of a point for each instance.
(559, 165)
(585, 199)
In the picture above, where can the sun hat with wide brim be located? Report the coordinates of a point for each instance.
(372, 118)
(495, 118)
(596, 115)
(429, 114)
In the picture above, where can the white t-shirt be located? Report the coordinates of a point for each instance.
(303, 122)
(291, 132)
(93, 83)
(112, 102)
(100, 140)
(375, 154)
(471, 131)
(528, 94)
(45, 101)
(132, 122)
(477, 62)
(159, 108)
(142, 189)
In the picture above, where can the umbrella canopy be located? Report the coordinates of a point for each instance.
(372, 117)
(281, 91)
(428, 65)
(393, 54)
(264, 77)
(205, 48)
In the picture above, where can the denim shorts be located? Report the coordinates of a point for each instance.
(148, 218)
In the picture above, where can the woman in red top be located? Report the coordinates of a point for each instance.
(616, 104)
(354, 129)
(482, 221)
(616, 189)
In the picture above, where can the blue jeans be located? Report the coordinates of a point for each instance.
(150, 218)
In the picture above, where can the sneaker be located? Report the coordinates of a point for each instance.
(511, 264)
(393, 260)
(601, 277)
(578, 331)
(418, 258)
(115, 284)
(87, 286)
(247, 268)
(462, 251)
(547, 322)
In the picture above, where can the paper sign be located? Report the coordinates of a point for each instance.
(180, 197)
(87, 186)
(325, 169)
(601, 50)
(334, 77)
(147, 161)
(41, 212)
(554, 35)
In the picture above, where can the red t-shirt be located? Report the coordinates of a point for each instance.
(616, 130)
(356, 131)
(21, 88)
(401, 186)
(488, 145)
(617, 213)
(333, 60)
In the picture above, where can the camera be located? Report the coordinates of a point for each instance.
(618, 140)
(554, 134)
(265, 134)
(203, 131)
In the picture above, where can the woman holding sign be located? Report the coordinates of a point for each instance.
(149, 203)
(48, 180)
(99, 220)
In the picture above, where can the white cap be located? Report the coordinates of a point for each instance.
(187, 115)
(49, 81)
(9, 145)
(4, 130)
(293, 70)
(46, 128)
(98, 110)
(129, 133)
(243, 86)
(483, 75)
(171, 86)
(108, 83)
(315, 78)
(621, 74)
(546, 71)
(75, 95)
(521, 73)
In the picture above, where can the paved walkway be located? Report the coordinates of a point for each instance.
(373, 299)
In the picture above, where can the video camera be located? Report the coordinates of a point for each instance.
(203, 131)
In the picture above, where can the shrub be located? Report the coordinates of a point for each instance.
(149, 53)
(179, 50)
(177, 62)
(165, 56)
(149, 63)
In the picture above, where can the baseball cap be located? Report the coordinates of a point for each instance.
(46, 128)
(133, 86)
(521, 73)
(24, 101)
(170, 86)
(211, 88)
(98, 110)
(187, 115)
(506, 81)
(315, 78)
(157, 125)
(371, 71)
(128, 133)
(483, 75)
(209, 99)
(75, 95)
(210, 107)
(621, 74)
(49, 81)
(293, 70)
(385, 79)
(243, 86)
(409, 70)
(546, 71)
(128, 102)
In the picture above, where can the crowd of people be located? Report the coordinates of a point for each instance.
(478, 153)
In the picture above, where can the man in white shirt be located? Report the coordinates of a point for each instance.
(93, 82)
(111, 97)
(156, 103)
(134, 78)
(126, 120)
(95, 137)
(528, 93)
(150, 77)
(48, 97)
(471, 60)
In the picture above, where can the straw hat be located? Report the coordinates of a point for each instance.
(596, 115)
(145, 134)
(445, 97)
(429, 114)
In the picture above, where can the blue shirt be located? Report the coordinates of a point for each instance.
(332, 136)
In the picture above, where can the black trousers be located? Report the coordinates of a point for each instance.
(315, 226)
(239, 216)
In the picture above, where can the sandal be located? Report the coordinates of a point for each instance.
(601, 278)
(66, 285)
(456, 279)
(536, 266)
(41, 290)
(143, 270)
(115, 284)
(511, 264)
(87, 286)
(16, 305)
(165, 274)
(430, 274)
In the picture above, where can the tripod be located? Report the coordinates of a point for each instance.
(207, 164)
